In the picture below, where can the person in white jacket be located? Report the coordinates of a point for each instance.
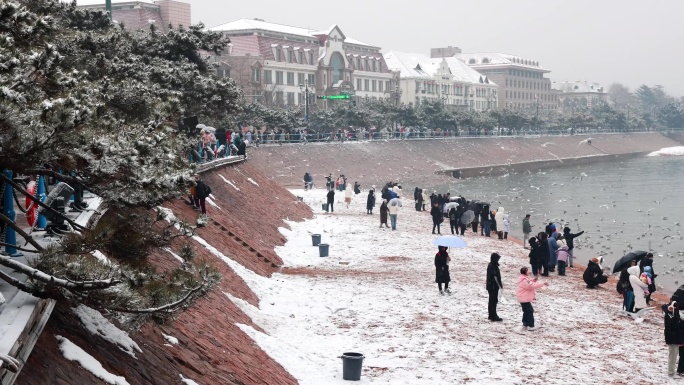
(393, 207)
(638, 288)
(348, 194)
(425, 198)
(506, 226)
(499, 218)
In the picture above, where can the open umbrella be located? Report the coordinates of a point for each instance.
(209, 129)
(467, 217)
(449, 205)
(627, 259)
(449, 241)
(395, 202)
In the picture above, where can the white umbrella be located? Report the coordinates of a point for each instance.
(449, 205)
(395, 202)
(209, 129)
(449, 241)
(200, 126)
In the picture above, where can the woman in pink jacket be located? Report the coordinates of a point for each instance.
(525, 294)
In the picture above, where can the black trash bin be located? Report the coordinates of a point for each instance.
(316, 239)
(351, 366)
(323, 249)
(325, 207)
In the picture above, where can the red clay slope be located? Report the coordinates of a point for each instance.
(212, 350)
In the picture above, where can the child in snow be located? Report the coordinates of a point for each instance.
(525, 294)
(563, 257)
(647, 280)
(506, 226)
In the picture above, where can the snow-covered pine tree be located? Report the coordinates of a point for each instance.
(81, 93)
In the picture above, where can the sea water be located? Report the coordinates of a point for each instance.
(623, 206)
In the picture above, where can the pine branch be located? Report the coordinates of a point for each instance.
(52, 280)
(168, 307)
(21, 232)
(19, 248)
(39, 203)
(23, 286)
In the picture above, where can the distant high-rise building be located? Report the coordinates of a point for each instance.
(522, 82)
(140, 14)
(444, 52)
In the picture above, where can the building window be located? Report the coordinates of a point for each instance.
(290, 56)
(380, 85)
(268, 76)
(279, 77)
(374, 85)
(312, 79)
(311, 60)
(366, 83)
(290, 98)
(301, 57)
(279, 54)
(224, 72)
(290, 78)
(279, 98)
(256, 75)
(300, 78)
(337, 67)
(387, 85)
(374, 64)
(358, 84)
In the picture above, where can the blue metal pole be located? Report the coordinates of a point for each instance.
(10, 235)
(42, 221)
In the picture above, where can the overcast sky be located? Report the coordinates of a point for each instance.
(606, 41)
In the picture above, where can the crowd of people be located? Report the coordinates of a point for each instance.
(220, 143)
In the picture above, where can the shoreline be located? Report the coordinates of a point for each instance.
(375, 294)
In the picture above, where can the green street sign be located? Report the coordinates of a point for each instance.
(333, 97)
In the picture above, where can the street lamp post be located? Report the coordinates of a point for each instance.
(305, 88)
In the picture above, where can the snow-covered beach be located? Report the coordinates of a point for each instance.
(375, 294)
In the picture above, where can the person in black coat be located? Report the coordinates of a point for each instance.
(442, 270)
(674, 337)
(331, 200)
(493, 286)
(593, 275)
(544, 253)
(436, 218)
(484, 220)
(569, 237)
(454, 220)
(534, 256)
(370, 202)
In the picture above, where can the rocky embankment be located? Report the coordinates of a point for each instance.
(414, 160)
(211, 349)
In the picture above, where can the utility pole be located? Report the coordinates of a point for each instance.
(305, 88)
(108, 7)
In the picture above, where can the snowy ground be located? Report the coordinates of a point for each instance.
(375, 295)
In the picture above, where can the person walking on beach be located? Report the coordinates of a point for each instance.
(485, 224)
(436, 218)
(525, 293)
(442, 260)
(553, 246)
(394, 211)
(499, 217)
(424, 197)
(562, 256)
(417, 198)
(674, 338)
(331, 200)
(383, 213)
(569, 238)
(348, 195)
(527, 229)
(625, 288)
(534, 256)
(308, 181)
(453, 220)
(638, 288)
(370, 202)
(543, 253)
(493, 286)
(506, 226)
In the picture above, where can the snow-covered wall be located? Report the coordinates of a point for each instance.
(375, 163)
(204, 344)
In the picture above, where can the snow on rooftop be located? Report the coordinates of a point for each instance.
(579, 87)
(102, 2)
(74, 353)
(415, 65)
(496, 58)
(258, 24)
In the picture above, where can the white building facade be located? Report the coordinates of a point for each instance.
(446, 79)
(275, 64)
